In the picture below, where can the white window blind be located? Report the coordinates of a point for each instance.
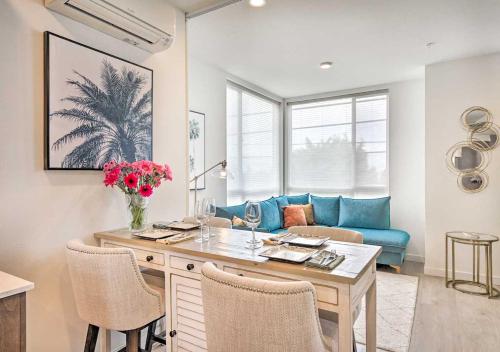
(253, 150)
(338, 146)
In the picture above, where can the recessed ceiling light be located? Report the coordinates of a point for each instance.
(257, 3)
(326, 65)
(430, 44)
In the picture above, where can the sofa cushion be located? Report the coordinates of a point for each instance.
(229, 212)
(294, 216)
(282, 201)
(270, 215)
(365, 213)
(300, 199)
(391, 240)
(326, 210)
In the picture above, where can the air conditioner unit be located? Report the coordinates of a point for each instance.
(147, 24)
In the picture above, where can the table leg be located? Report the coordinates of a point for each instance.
(345, 326)
(105, 340)
(490, 270)
(371, 317)
(452, 260)
(446, 261)
(487, 281)
(474, 263)
(478, 263)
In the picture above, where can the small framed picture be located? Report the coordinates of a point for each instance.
(196, 148)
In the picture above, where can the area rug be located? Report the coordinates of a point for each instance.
(396, 299)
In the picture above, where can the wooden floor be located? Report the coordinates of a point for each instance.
(450, 321)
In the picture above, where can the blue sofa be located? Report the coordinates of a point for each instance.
(371, 217)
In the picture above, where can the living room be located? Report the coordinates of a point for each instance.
(368, 128)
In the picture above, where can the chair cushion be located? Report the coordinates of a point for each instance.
(294, 216)
(270, 215)
(246, 228)
(300, 199)
(326, 210)
(282, 201)
(230, 212)
(365, 213)
(391, 240)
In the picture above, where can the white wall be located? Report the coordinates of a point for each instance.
(451, 87)
(41, 210)
(207, 94)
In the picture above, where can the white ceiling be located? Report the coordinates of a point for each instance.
(194, 5)
(279, 47)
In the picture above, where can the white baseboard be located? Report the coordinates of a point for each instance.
(415, 258)
(461, 275)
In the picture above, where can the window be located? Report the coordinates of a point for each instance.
(253, 150)
(338, 146)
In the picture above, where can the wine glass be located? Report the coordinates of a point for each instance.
(252, 219)
(211, 209)
(201, 215)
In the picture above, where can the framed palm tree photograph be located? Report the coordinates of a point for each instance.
(196, 148)
(98, 107)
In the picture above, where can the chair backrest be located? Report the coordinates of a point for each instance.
(222, 223)
(336, 234)
(251, 315)
(109, 289)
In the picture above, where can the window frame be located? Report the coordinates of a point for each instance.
(287, 131)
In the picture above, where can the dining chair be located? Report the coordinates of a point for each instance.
(260, 315)
(222, 223)
(335, 234)
(111, 293)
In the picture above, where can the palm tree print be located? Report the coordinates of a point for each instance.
(114, 119)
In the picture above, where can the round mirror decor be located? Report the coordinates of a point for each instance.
(469, 159)
(473, 182)
(476, 118)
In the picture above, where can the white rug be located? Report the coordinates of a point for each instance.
(396, 299)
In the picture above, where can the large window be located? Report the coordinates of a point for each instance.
(338, 146)
(253, 145)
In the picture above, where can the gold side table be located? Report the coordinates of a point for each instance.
(476, 240)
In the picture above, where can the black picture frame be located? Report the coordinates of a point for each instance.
(47, 94)
(191, 184)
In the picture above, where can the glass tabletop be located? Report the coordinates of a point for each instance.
(472, 236)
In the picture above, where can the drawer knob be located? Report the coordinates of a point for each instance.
(190, 266)
(149, 258)
(240, 274)
(172, 333)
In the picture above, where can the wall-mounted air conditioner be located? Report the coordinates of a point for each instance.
(147, 24)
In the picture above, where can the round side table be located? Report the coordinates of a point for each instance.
(476, 240)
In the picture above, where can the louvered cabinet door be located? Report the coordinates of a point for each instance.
(187, 315)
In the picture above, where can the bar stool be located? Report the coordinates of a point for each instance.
(111, 293)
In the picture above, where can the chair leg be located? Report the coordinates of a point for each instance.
(133, 340)
(91, 340)
(149, 338)
(354, 347)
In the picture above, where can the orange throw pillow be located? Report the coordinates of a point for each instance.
(294, 216)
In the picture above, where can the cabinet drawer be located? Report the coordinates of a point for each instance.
(193, 266)
(145, 256)
(325, 294)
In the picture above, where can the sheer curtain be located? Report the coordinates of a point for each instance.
(253, 150)
(339, 146)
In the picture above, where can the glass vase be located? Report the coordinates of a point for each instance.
(137, 207)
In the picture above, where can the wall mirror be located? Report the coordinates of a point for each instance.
(473, 182)
(476, 118)
(486, 139)
(464, 157)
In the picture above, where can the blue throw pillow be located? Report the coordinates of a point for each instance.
(282, 201)
(301, 199)
(270, 215)
(229, 212)
(326, 210)
(366, 213)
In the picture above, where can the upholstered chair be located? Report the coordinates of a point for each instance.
(222, 223)
(335, 234)
(111, 293)
(260, 315)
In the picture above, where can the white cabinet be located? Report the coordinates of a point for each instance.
(187, 315)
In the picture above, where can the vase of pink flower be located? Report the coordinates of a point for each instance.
(137, 181)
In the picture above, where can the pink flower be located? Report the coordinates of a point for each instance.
(146, 167)
(111, 178)
(131, 180)
(145, 190)
(168, 173)
(107, 167)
